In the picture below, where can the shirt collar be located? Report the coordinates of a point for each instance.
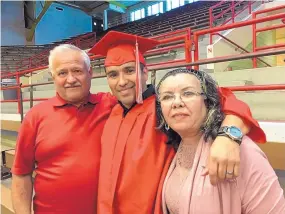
(146, 94)
(57, 101)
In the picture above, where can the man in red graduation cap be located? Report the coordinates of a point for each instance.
(134, 152)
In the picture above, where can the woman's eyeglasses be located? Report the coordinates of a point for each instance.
(185, 96)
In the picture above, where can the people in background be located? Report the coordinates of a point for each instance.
(135, 155)
(59, 139)
(190, 114)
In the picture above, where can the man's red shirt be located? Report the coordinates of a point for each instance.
(62, 144)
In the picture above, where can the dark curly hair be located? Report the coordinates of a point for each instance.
(215, 116)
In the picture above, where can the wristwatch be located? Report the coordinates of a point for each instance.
(231, 132)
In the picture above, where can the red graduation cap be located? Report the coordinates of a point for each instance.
(120, 48)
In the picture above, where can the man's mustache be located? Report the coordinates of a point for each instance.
(72, 86)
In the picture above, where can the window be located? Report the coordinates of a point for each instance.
(132, 16)
(171, 4)
(174, 4)
(138, 14)
(149, 11)
(143, 13)
(161, 7)
(155, 9)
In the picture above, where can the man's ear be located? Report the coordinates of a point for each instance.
(145, 74)
(90, 71)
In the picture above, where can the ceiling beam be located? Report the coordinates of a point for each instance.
(95, 4)
(31, 32)
(117, 4)
(66, 3)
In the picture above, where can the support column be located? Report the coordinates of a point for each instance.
(31, 32)
(105, 20)
(164, 6)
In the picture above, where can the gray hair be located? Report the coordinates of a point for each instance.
(214, 117)
(66, 47)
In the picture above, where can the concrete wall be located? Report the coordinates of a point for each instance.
(265, 105)
(56, 25)
(280, 39)
(243, 37)
(263, 39)
(12, 23)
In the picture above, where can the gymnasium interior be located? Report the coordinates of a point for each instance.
(239, 43)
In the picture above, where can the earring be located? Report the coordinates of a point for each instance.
(166, 127)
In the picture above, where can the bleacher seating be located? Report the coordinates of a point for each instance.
(194, 15)
(264, 105)
(14, 58)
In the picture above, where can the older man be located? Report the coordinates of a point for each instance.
(60, 140)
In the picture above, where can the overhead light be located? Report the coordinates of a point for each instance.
(102, 25)
(95, 23)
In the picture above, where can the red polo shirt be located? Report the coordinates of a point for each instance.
(62, 144)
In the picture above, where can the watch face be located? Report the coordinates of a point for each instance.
(235, 132)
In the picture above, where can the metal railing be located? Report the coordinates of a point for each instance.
(236, 25)
(180, 36)
(232, 9)
(162, 67)
(41, 58)
(184, 38)
(239, 47)
(255, 31)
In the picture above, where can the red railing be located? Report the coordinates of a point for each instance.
(232, 26)
(41, 59)
(258, 87)
(184, 39)
(239, 47)
(181, 36)
(231, 8)
(221, 59)
(176, 64)
(255, 31)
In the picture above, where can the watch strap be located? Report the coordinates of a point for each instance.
(223, 131)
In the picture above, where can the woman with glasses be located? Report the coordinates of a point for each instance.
(189, 111)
